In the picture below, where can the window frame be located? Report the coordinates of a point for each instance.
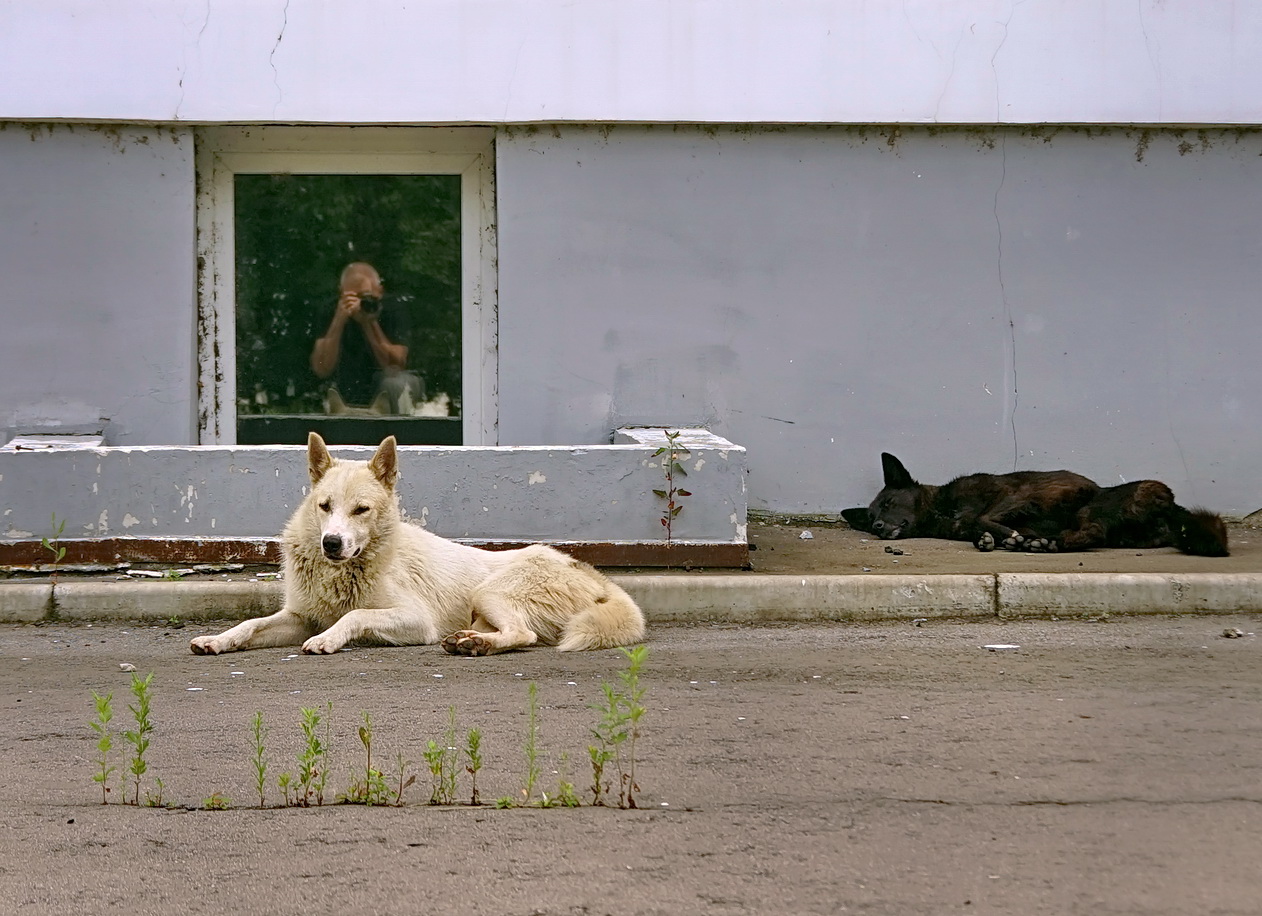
(223, 153)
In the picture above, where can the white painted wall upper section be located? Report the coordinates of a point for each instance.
(506, 61)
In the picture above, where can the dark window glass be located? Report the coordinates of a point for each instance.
(391, 363)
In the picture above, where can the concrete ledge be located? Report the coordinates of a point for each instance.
(25, 602)
(761, 599)
(707, 598)
(1069, 594)
(187, 600)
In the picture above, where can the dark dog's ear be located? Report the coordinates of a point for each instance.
(318, 458)
(384, 464)
(860, 519)
(895, 474)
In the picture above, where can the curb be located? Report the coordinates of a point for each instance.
(702, 599)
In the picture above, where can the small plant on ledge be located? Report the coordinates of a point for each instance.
(672, 453)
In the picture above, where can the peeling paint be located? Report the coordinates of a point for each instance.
(699, 464)
(129, 520)
(537, 477)
(103, 522)
(17, 534)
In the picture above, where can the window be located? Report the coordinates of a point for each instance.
(296, 226)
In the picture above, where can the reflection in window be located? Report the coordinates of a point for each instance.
(348, 309)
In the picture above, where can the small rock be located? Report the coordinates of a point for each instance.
(897, 551)
(1233, 633)
(920, 621)
(126, 666)
(806, 536)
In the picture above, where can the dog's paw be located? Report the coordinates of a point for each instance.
(1013, 541)
(986, 542)
(1040, 545)
(467, 642)
(206, 645)
(322, 644)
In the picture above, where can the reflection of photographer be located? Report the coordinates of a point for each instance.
(364, 361)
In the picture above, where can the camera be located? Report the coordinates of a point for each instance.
(369, 305)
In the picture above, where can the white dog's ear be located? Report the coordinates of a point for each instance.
(385, 463)
(318, 458)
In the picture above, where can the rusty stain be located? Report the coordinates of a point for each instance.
(266, 551)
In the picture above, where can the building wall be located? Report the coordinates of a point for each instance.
(512, 61)
(991, 299)
(98, 297)
(970, 299)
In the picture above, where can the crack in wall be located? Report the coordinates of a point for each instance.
(271, 58)
(184, 70)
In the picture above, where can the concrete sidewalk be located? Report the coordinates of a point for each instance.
(673, 598)
(835, 574)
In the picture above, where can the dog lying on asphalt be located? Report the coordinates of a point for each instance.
(1036, 511)
(355, 571)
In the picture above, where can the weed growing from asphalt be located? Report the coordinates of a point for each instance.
(617, 731)
(672, 453)
(613, 754)
(532, 742)
(313, 758)
(473, 754)
(283, 782)
(104, 743)
(371, 789)
(258, 759)
(405, 779)
(442, 760)
(632, 695)
(565, 796)
(155, 799)
(217, 802)
(138, 737)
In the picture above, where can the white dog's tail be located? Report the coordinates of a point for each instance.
(614, 620)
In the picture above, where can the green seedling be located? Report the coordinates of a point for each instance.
(154, 800)
(312, 759)
(441, 760)
(371, 789)
(473, 752)
(258, 758)
(672, 453)
(405, 779)
(433, 755)
(565, 796)
(505, 801)
(633, 694)
(451, 758)
(532, 742)
(138, 737)
(282, 782)
(104, 743)
(610, 733)
(617, 731)
(217, 802)
(53, 544)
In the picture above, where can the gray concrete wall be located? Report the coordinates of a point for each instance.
(991, 299)
(599, 493)
(969, 299)
(98, 292)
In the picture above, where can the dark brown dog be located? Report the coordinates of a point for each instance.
(1037, 510)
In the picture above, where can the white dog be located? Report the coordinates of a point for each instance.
(354, 571)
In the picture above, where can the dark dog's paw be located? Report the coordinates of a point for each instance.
(1040, 545)
(986, 542)
(466, 642)
(1013, 541)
